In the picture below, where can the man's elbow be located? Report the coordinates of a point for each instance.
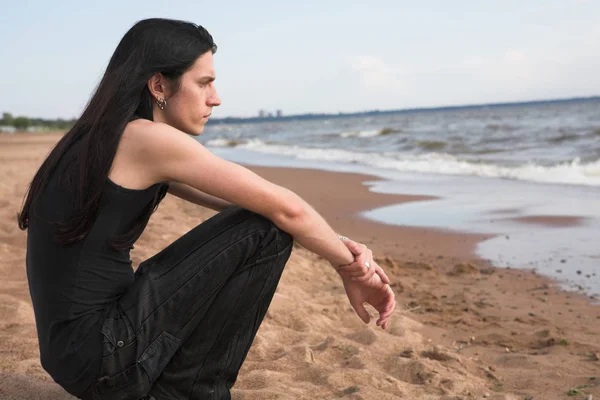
(291, 213)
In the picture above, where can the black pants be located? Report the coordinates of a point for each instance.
(183, 330)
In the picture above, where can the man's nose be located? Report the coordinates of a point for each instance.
(214, 100)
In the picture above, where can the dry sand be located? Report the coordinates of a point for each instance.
(461, 330)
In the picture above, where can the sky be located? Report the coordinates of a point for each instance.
(322, 56)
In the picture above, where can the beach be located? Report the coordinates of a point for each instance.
(462, 329)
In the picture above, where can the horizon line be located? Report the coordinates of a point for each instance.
(413, 109)
(374, 111)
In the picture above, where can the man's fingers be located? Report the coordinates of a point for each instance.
(362, 313)
(384, 316)
(354, 247)
(352, 268)
(382, 274)
(372, 271)
(357, 266)
(387, 311)
(387, 314)
(385, 324)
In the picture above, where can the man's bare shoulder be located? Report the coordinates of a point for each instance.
(149, 139)
(147, 132)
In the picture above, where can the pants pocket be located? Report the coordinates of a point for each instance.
(156, 356)
(136, 380)
(116, 331)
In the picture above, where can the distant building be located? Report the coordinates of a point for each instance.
(262, 114)
(7, 129)
(36, 128)
(278, 114)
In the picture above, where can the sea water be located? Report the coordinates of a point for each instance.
(489, 166)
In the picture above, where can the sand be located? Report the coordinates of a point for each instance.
(461, 329)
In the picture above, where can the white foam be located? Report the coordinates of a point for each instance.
(573, 172)
(366, 133)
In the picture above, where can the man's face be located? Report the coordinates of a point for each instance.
(188, 109)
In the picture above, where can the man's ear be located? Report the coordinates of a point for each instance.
(158, 86)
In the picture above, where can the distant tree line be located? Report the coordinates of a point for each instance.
(312, 116)
(22, 123)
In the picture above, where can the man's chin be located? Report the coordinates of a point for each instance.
(196, 131)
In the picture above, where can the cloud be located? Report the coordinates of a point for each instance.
(376, 74)
(512, 68)
(554, 69)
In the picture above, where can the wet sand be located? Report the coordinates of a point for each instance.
(461, 329)
(552, 221)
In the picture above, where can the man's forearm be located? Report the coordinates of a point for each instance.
(196, 196)
(313, 233)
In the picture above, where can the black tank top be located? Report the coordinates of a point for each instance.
(72, 285)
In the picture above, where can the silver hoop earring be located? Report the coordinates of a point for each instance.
(162, 103)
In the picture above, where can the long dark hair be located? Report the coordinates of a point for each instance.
(149, 47)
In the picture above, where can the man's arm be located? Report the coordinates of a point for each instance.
(196, 196)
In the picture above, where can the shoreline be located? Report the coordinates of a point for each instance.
(461, 329)
(342, 213)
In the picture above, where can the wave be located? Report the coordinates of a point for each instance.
(573, 172)
(564, 138)
(567, 137)
(367, 133)
(501, 127)
(371, 132)
(431, 144)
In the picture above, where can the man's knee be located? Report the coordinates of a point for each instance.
(283, 238)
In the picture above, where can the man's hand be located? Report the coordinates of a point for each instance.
(375, 292)
(358, 270)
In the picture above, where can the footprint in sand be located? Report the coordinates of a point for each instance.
(414, 371)
(354, 362)
(314, 374)
(366, 337)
